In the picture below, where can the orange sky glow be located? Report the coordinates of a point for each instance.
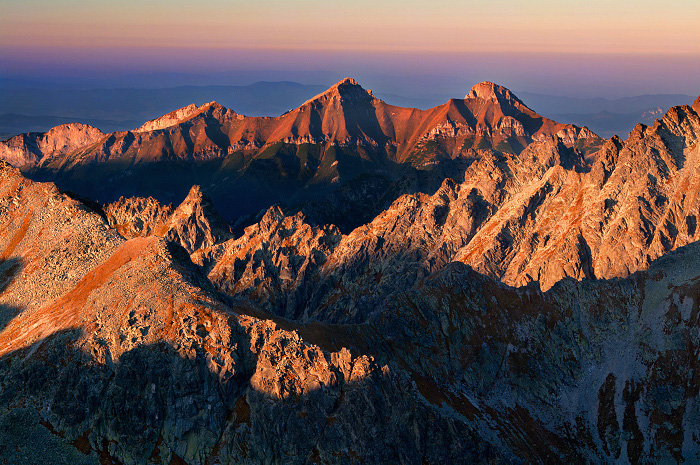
(597, 47)
(443, 25)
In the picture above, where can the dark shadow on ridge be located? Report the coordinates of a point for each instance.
(154, 400)
(9, 269)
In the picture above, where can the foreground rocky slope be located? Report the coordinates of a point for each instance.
(125, 354)
(116, 350)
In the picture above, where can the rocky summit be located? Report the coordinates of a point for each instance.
(352, 282)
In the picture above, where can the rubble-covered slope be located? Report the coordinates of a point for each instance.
(128, 354)
(120, 351)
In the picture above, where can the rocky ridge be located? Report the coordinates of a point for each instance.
(539, 216)
(171, 119)
(130, 355)
(395, 342)
(330, 140)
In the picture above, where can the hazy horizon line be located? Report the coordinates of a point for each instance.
(574, 74)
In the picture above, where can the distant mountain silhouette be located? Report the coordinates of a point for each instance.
(31, 109)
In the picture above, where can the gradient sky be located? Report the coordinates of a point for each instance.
(593, 26)
(40, 36)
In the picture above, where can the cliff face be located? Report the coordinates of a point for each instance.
(598, 371)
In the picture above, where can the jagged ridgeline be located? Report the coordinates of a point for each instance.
(494, 287)
(246, 164)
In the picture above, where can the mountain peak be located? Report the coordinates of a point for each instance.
(347, 89)
(70, 127)
(195, 194)
(489, 91)
(346, 81)
(169, 119)
(345, 85)
(213, 104)
(195, 223)
(696, 105)
(27, 149)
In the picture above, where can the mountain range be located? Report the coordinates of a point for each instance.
(296, 157)
(352, 282)
(35, 106)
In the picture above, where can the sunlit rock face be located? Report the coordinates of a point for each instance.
(541, 308)
(137, 216)
(540, 216)
(26, 150)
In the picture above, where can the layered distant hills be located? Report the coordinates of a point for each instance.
(352, 282)
(37, 107)
(606, 117)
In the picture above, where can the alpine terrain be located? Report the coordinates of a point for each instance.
(352, 282)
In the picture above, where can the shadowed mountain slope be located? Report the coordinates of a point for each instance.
(121, 350)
